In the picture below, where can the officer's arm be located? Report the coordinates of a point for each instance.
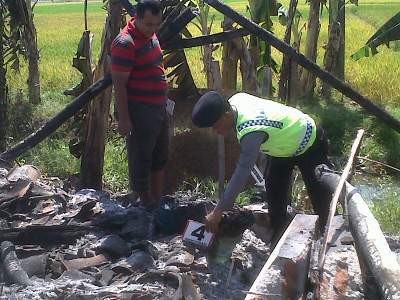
(249, 150)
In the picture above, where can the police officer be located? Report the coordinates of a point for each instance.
(286, 135)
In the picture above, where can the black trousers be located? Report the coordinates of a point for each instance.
(147, 145)
(278, 181)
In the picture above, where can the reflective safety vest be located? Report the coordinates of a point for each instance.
(290, 132)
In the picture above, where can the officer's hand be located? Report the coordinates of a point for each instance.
(124, 126)
(212, 221)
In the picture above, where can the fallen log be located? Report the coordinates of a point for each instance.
(12, 264)
(312, 67)
(284, 274)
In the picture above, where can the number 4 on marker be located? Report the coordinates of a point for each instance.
(199, 233)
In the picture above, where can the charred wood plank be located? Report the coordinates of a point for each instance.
(12, 264)
(284, 274)
(335, 82)
(170, 28)
(205, 39)
(45, 235)
(81, 263)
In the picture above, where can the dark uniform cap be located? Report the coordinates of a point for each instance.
(208, 109)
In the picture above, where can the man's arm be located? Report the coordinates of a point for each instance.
(120, 81)
(249, 150)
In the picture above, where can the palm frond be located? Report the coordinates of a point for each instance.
(390, 31)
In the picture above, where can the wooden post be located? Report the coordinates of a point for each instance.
(312, 67)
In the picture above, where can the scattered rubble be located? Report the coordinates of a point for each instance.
(56, 244)
(86, 245)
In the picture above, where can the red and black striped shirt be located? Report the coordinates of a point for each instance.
(132, 52)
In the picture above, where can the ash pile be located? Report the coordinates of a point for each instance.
(87, 245)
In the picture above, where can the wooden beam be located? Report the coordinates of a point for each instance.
(205, 39)
(335, 82)
(346, 172)
(52, 125)
(284, 274)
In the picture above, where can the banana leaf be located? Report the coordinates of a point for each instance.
(390, 31)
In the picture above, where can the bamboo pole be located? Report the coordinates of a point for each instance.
(347, 170)
(335, 82)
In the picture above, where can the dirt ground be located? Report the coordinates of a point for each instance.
(194, 151)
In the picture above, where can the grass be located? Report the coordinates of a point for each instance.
(60, 27)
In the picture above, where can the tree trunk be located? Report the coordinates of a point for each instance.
(3, 88)
(247, 69)
(285, 76)
(230, 60)
(307, 79)
(33, 59)
(334, 54)
(92, 162)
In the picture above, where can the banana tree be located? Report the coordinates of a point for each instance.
(308, 80)
(13, 15)
(33, 54)
(389, 32)
(3, 83)
(261, 12)
(204, 24)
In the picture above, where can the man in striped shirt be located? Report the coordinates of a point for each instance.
(141, 93)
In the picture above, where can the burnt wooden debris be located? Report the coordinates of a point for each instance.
(70, 237)
(285, 272)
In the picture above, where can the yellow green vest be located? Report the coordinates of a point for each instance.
(290, 132)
